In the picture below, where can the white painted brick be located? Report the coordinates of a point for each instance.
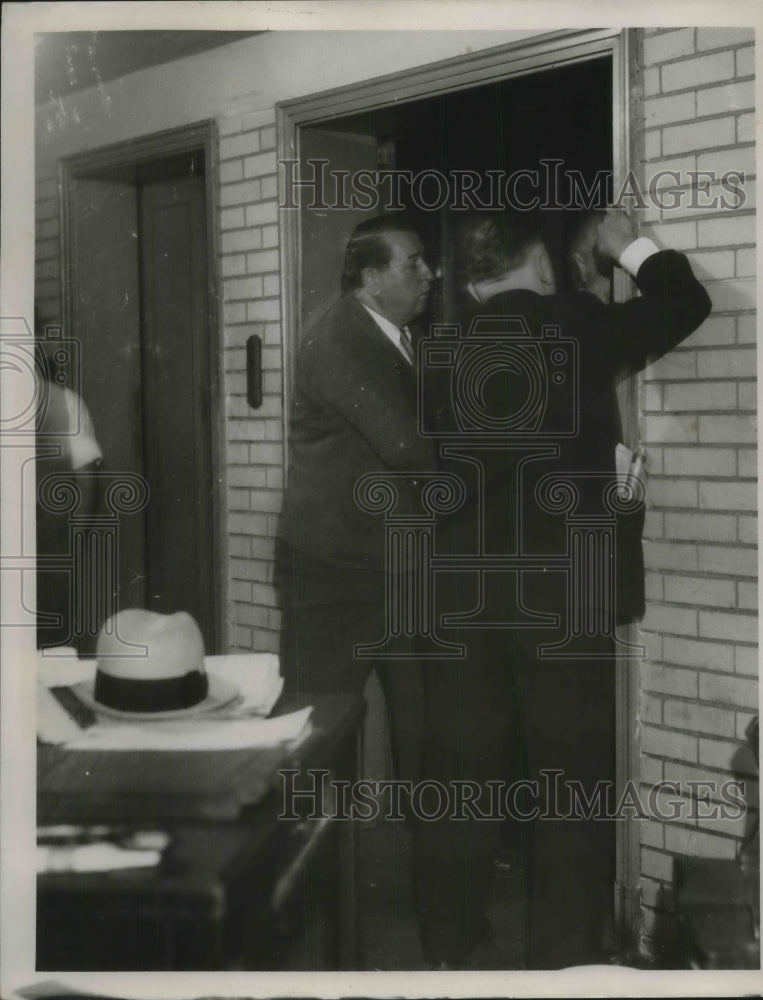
(656, 864)
(705, 396)
(650, 769)
(668, 175)
(270, 236)
(731, 294)
(676, 364)
(738, 826)
(747, 596)
(745, 128)
(651, 709)
(666, 743)
(697, 590)
(728, 97)
(266, 454)
(262, 214)
(665, 492)
(671, 45)
(651, 396)
(738, 363)
(713, 264)
(670, 619)
(262, 261)
(275, 478)
(653, 586)
(236, 454)
(728, 756)
(651, 81)
(678, 235)
(652, 145)
(665, 679)
(239, 545)
(232, 264)
(731, 231)
(272, 286)
(723, 160)
(676, 108)
(247, 524)
(745, 263)
(747, 462)
(743, 721)
(722, 38)
(245, 430)
(728, 496)
(695, 844)
(698, 653)
(271, 358)
(652, 835)
(746, 660)
(673, 429)
(698, 135)
(232, 218)
(269, 186)
(244, 239)
(702, 527)
(260, 165)
(243, 288)
(252, 615)
(748, 530)
(231, 171)
(670, 555)
(745, 61)
(263, 309)
(718, 429)
(234, 312)
(247, 476)
(699, 462)
(239, 145)
(240, 194)
(699, 718)
(734, 560)
(689, 73)
(241, 637)
(727, 625)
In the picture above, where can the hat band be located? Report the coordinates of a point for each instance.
(165, 695)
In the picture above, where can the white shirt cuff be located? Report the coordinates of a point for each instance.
(636, 253)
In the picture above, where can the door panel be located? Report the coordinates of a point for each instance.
(106, 314)
(176, 398)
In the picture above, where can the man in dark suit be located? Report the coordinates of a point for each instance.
(354, 413)
(556, 707)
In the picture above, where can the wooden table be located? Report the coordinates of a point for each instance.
(244, 890)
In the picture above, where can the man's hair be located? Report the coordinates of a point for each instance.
(490, 245)
(580, 227)
(368, 247)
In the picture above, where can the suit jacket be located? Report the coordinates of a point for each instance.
(354, 412)
(612, 341)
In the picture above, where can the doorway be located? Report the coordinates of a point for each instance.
(141, 301)
(561, 96)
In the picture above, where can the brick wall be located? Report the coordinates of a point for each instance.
(47, 287)
(699, 682)
(249, 268)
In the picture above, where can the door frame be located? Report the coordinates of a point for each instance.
(528, 55)
(132, 152)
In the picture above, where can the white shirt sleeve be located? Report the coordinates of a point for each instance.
(636, 253)
(82, 442)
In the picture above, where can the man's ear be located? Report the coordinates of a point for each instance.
(578, 268)
(545, 268)
(369, 277)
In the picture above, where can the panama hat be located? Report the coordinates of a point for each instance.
(151, 666)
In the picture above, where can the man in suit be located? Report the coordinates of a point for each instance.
(556, 708)
(354, 413)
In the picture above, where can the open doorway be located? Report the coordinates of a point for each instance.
(561, 98)
(141, 302)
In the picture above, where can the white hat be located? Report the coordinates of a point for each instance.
(151, 666)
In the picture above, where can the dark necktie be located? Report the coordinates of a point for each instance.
(407, 347)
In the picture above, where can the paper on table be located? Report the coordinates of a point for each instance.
(194, 734)
(93, 858)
